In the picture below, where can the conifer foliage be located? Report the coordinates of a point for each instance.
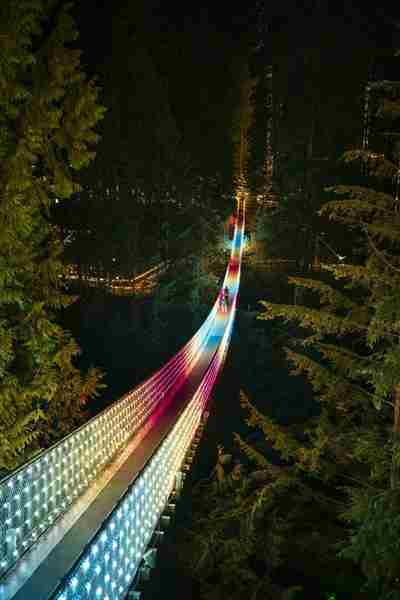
(351, 355)
(48, 112)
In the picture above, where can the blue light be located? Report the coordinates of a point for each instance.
(74, 582)
(86, 565)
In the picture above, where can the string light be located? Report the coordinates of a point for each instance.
(74, 462)
(127, 532)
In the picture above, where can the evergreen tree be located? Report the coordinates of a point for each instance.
(230, 546)
(351, 357)
(302, 91)
(48, 111)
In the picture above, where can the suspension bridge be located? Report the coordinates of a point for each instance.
(82, 519)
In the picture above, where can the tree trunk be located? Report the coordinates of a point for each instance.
(394, 472)
(316, 258)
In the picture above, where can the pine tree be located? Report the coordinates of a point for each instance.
(351, 356)
(234, 537)
(48, 112)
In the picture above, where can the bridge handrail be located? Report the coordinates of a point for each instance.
(34, 496)
(112, 558)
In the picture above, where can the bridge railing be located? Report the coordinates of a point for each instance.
(108, 565)
(39, 492)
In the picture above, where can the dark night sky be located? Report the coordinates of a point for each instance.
(194, 46)
(214, 26)
(192, 51)
(199, 20)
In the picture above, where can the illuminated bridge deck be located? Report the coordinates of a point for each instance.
(154, 452)
(49, 570)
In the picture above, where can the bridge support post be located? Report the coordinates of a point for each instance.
(158, 536)
(144, 573)
(165, 520)
(149, 558)
(178, 485)
(170, 508)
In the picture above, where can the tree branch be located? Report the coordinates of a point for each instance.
(378, 252)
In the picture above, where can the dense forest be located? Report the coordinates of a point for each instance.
(305, 502)
(163, 170)
(125, 153)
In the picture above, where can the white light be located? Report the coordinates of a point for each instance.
(86, 565)
(74, 582)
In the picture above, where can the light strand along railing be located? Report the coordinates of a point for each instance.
(109, 564)
(37, 494)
